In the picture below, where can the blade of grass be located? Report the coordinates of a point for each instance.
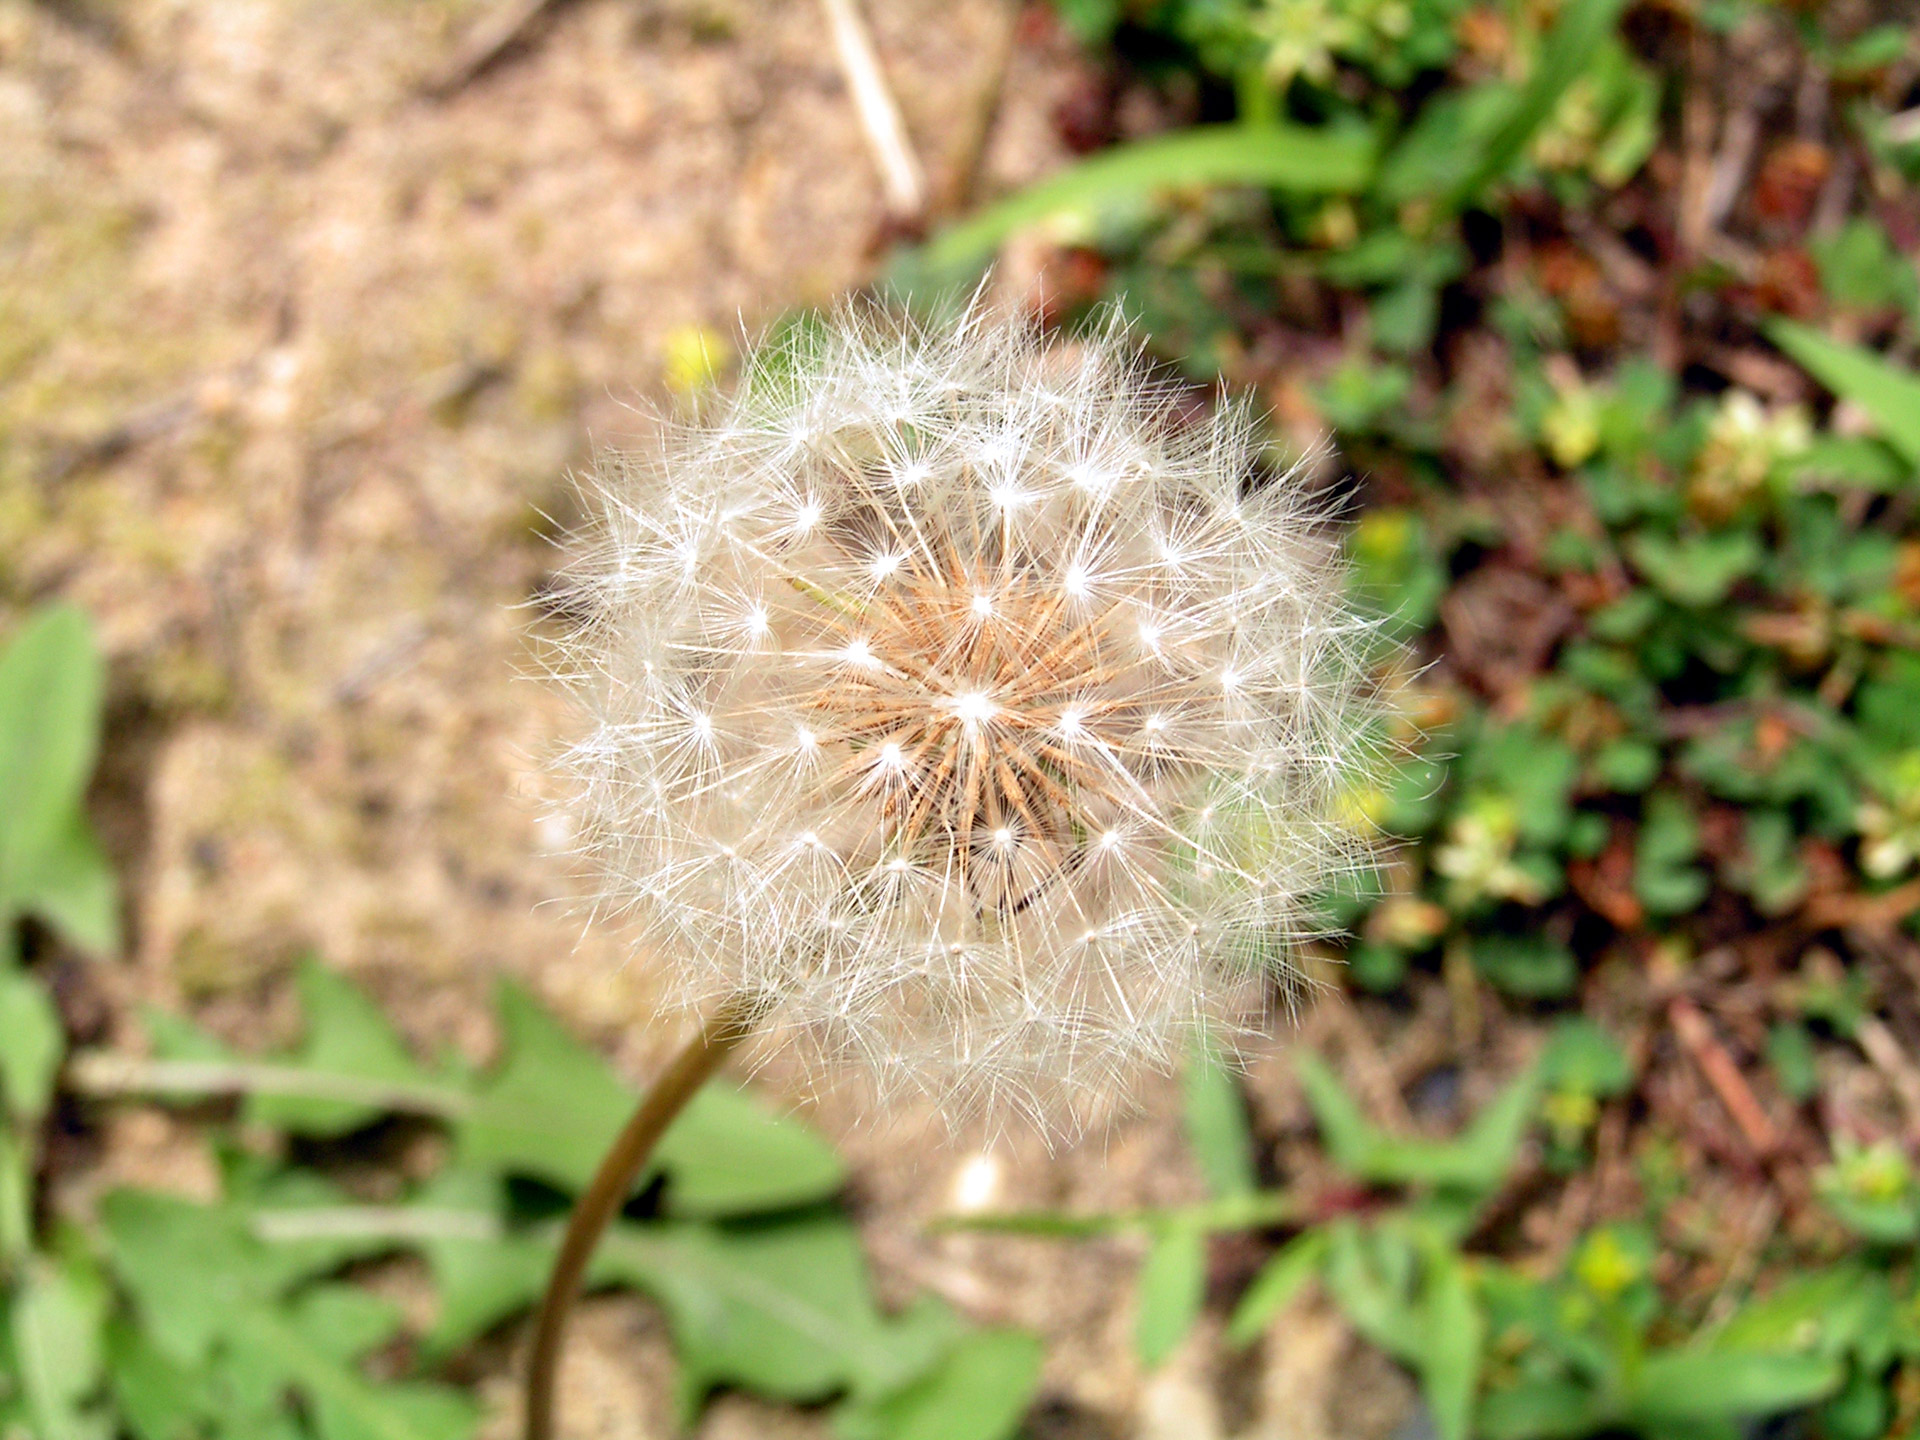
(1569, 48)
(1282, 157)
(1890, 395)
(1230, 1212)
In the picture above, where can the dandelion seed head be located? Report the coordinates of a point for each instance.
(964, 700)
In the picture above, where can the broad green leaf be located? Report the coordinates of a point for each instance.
(1795, 1063)
(1455, 1333)
(1873, 1189)
(206, 1289)
(1772, 871)
(1282, 1278)
(1572, 45)
(1626, 766)
(51, 684)
(344, 1322)
(1375, 1300)
(68, 883)
(1695, 1385)
(190, 1269)
(1862, 1409)
(347, 1035)
(1825, 1313)
(1696, 570)
(1172, 1285)
(31, 1044)
(1840, 462)
(1663, 874)
(1477, 1160)
(556, 1106)
(1405, 1288)
(186, 1266)
(1533, 967)
(56, 1319)
(1583, 1059)
(1860, 268)
(979, 1391)
(479, 1281)
(1280, 157)
(1540, 1410)
(158, 1399)
(1349, 1136)
(354, 1410)
(298, 1216)
(1532, 770)
(1888, 393)
(783, 1309)
(552, 1109)
(335, 1087)
(347, 1406)
(174, 1037)
(1217, 1128)
(728, 1155)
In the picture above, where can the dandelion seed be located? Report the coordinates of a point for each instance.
(974, 707)
(996, 739)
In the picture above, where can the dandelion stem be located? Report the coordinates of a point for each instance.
(721, 1033)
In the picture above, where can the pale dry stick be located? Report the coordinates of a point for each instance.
(1739, 137)
(1759, 1226)
(886, 134)
(496, 33)
(1696, 171)
(717, 1038)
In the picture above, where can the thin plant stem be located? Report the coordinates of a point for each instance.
(678, 1083)
(105, 1073)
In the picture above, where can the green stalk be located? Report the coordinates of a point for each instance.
(679, 1083)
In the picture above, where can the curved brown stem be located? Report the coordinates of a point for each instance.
(691, 1068)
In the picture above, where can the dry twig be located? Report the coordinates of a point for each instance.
(497, 32)
(1756, 1126)
(1867, 912)
(880, 122)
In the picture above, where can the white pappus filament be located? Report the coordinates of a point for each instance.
(965, 699)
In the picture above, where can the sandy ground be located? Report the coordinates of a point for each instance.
(295, 361)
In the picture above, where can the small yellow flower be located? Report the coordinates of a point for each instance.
(1744, 442)
(1890, 826)
(1477, 855)
(1605, 1266)
(1571, 426)
(693, 358)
